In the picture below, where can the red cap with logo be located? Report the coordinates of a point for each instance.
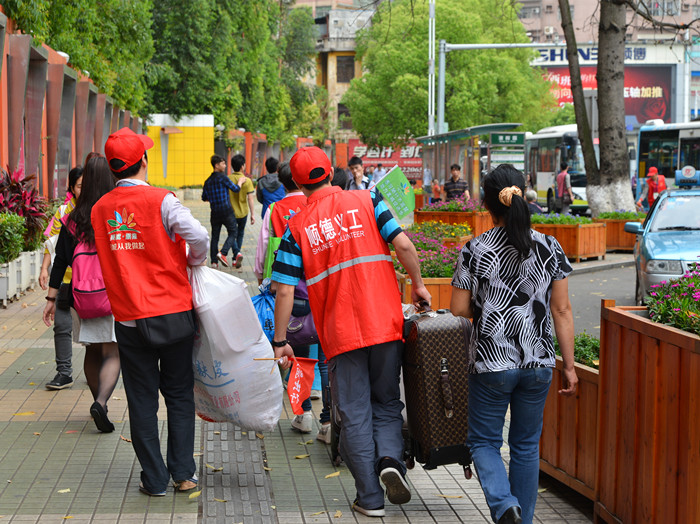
(310, 165)
(653, 171)
(125, 148)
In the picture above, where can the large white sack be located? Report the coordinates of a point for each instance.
(229, 386)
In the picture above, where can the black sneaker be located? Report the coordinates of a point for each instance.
(60, 382)
(397, 490)
(375, 512)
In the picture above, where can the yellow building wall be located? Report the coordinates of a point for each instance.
(189, 155)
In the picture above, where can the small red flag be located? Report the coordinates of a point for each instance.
(301, 378)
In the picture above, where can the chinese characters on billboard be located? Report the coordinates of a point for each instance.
(408, 158)
(647, 90)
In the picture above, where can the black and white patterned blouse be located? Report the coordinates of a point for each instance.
(510, 297)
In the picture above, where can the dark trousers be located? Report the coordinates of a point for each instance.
(239, 237)
(229, 222)
(145, 370)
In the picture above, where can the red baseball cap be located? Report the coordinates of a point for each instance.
(126, 148)
(310, 165)
(653, 171)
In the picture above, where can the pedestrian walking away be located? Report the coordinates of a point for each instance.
(269, 188)
(564, 191)
(510, 280)
(94, 323)
(141, 231)
(63, 321)
(338, 243)
(216, 191)
(242, 203)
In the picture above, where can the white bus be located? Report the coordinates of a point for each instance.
(544, 151)
(669, 148)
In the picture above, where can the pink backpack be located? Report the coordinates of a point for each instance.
(89, 293)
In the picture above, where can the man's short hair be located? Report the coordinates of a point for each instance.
(563, 166)
(455, 166)
(316, 185)
(215, 159)
(131, 170)
(340, 177)
(237, 163)
(271, 164)
(284, 173)
(355, 161)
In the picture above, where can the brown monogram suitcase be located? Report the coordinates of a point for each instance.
(435, 372)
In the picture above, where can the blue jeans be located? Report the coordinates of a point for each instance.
(239, 236)
(365, 385)
(489, 396)
(229, 222)
(304, 351)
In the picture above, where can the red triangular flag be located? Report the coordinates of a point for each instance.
(301, 378)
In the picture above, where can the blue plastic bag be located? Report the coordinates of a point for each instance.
(265, 308)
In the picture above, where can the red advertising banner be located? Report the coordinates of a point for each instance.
(408, 158)
(647, 90)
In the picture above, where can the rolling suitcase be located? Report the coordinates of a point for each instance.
(435, 372)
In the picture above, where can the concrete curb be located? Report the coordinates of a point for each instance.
(602, 267)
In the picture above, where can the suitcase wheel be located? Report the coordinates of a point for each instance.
(410, 462)
(467, 472)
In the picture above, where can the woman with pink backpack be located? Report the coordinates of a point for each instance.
(92, 312)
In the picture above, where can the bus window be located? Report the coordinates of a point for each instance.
(659, 150)
(690, 152)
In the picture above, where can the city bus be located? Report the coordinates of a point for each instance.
(669, 148)
(544, 151)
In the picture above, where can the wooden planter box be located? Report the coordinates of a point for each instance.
(568, 442)
(479, 221)
(439, 288)
(577, 240)
(420, 200)
(456, 242)
(648, 461)
(616, 239)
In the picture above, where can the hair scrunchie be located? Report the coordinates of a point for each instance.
(506, 195)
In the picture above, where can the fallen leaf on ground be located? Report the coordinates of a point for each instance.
(244, 432)
(43, 363)
(33, 304)
(124, 438)
(334, 474)
(24, 414)
(273, 507)
(317, 513)
(116, 398)
(213, 468)
(448, 496)
(24, 305)
(29, 369)
(32, 383)
(541, 490)
(266, 468)
(36, 433)
(309, 442)
(196, 454)
(338, 514)
(217, 433)
(302, 456)
(68, 517)
(221, 500)
(260, 435)
(195, 494)
(72, 431)
(67, 490)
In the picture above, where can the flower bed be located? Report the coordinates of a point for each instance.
(677, 302)
(579, 236)
(616, 237)
(451, 235)
(456, 211)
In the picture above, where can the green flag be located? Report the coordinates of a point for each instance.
(397, 192)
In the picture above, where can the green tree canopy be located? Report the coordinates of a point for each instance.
(111, 40)
(388, 104)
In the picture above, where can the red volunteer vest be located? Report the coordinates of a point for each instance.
(353, 292)
(283, 210)
(145, 272)
(654, 188)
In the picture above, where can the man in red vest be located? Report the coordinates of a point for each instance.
(655, 184)
(140, 234)
(339, 244)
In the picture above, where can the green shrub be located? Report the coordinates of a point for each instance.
(12, 232)
(623, 215)
(586, 349)
(556, 218)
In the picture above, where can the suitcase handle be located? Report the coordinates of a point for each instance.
(447, 399)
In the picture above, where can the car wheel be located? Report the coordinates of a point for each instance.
(638, 294)
(550, 202)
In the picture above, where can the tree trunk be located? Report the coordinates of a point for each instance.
(611, 189)
(584, 127)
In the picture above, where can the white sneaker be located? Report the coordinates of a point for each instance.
(315, 394)
(324, 434)
(303, 423)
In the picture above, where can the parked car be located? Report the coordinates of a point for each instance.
(668, 241)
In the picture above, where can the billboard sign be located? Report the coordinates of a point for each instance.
(408, 158)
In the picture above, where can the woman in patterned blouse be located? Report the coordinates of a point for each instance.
(509, 280)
